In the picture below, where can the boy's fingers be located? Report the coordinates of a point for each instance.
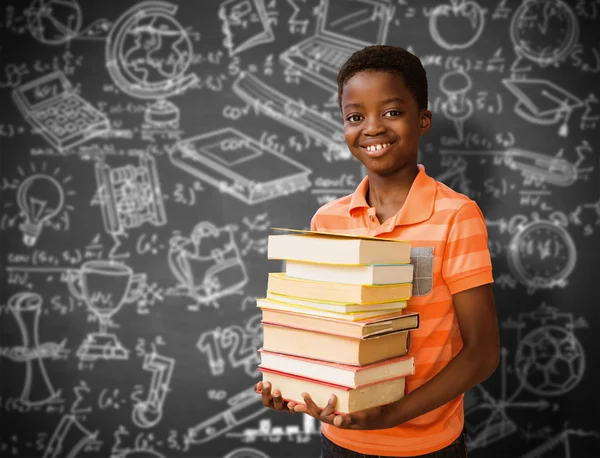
(259, 386)
(300, 408)
(328, 410)
(266, 394)
(277, 400)
(342, 421)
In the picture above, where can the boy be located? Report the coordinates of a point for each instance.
(382, 92)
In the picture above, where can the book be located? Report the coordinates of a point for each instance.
(335, 306)
(337, 348)
(348, 399)
(268, 304)
(369, 274)
(280, 283)
(340, 374)
(337, 249)
(359, 329)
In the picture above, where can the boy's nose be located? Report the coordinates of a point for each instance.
(373, 127)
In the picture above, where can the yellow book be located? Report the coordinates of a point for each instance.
(279, 283)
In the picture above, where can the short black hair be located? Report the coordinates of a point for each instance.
(388, 59)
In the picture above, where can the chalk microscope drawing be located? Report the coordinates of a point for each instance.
(245, 25)
(147, 55)
(104, 286)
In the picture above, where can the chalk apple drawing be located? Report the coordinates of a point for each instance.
(457, 25)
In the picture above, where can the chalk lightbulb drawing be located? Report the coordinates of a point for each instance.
(40, 198)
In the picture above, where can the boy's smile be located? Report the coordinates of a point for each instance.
(382, 122)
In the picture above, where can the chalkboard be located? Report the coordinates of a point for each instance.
(147, 148)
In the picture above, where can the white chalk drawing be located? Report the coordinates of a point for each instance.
(560, 439)
(104, 286)
(543, 31)
(207, 264)
(40, 198)
(130, 196)
(244, 406)
(140, 453)
(343, 27)
(552, 170)
(61, 116)
(37, 390)
(245, 25)
(238, 165)
(267, 100)
(148, 413)
(542, 102)
(246, 452)
(297, 25)
(550, 360)
(266, 432)
(69, 438)
(147, 55)
(242, 345)
(457, 107)
(457, 25)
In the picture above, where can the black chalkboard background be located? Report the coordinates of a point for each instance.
(104, 215)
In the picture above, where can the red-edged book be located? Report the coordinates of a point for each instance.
(348, 399)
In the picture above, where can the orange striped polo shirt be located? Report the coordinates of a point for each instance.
(450, 254)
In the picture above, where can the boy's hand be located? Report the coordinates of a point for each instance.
(365, 419)
(274, 401)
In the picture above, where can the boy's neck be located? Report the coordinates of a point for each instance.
(390, 191)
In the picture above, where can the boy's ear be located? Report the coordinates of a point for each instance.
(426, 121)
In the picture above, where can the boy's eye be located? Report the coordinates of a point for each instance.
(354, 118)
(393, 113)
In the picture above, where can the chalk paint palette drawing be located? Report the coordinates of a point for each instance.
(238, 165)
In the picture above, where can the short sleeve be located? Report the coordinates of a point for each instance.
(467, 263)
(313, 223)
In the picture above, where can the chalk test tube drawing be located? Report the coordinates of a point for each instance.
(245, 25)
(69, 438)
(457, 25)
(238, 165)
(246, 452)
(26, 307)
(207, 265)
(148, 413)
(541, 253)
(61, 116)
(543, 31)
(104, 286)
(40, 198)
(56, 22)
(130, 196)
(283, 109)
(559, 439)
(147, 55)
(343, 27)
(553, 170)
(245, 406)
(543, 103)
(457, 107)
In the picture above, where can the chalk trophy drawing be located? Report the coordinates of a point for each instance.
(343, 27)
(543, 31)
(61, 116)
(104, 286)
(550, 360)
(56, 22)
(238, 165)
(130, 196)
(26, 307)
(278, 106)
(207, 265)
(245, 25)
(457, 107)
(147, 55)
(457, 25)
(246, 452)
(40, 198)
(148, 413)
(541, 253)
(244, 406)
(543, 103)
(69, 438)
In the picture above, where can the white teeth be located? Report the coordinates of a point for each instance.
(377, 147)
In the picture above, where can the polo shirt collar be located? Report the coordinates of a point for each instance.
(418, 206)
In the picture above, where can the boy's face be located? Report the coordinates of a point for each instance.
(380, 112)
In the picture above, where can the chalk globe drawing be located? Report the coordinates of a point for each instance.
(550, 361)
(54, 22)
(148, 54)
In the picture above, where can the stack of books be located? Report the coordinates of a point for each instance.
(333, 322)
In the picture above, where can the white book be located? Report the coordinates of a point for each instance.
(372, 274)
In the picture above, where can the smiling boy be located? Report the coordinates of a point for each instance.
(382, 92)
